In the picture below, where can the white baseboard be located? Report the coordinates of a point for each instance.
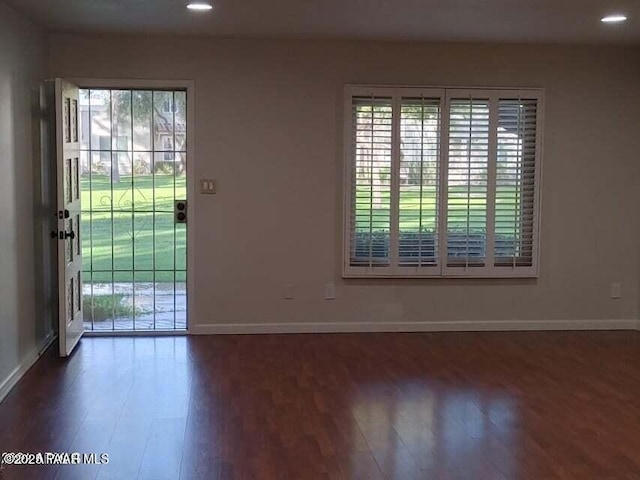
(457, 326)
(14, 377)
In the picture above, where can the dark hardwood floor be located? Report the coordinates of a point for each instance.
(470, 406)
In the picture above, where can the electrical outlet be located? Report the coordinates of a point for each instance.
(616, 290)
(330, 291)
(289, 292)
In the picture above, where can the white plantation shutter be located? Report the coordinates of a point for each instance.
(442, 182)
(467, 181)
(371, 181)
(419, 181)
(515, 182)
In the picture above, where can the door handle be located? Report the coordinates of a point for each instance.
(63, 235)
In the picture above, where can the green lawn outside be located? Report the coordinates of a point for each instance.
(137, 192)
(410, 202)
(132, 228)
(131, 225)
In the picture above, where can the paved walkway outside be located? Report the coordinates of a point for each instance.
(170, 310)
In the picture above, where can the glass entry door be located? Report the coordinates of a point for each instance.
(133, 156)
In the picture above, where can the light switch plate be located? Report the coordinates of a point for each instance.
(207, 185)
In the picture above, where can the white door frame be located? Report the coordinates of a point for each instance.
(151, 84)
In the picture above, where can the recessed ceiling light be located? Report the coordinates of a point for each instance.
(613, 19)
(200, 6)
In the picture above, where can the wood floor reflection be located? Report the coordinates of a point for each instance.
(470, 406)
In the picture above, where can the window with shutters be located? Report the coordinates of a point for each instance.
(442, 182)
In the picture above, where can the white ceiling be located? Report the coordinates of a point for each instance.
(566, 21)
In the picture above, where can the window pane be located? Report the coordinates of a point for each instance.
(371, 177)
(122, 241)
(515, 177)
(121, 120)
(100, 112)
(84, 119)
(163, 113)
(181, 121)
(142, 114)
(467, 182)
(419, 177)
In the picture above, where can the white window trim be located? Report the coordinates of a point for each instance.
(441, 270)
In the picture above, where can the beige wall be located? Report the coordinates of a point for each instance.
(269, 128)
(22, 66)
